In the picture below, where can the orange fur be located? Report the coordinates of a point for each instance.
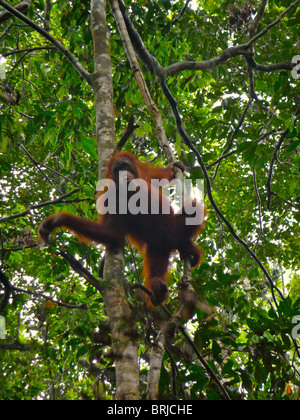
(155, 235)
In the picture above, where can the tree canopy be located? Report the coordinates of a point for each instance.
(219, 83)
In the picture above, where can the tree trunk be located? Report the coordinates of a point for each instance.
(122, 325)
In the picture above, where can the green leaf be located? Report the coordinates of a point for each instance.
(244, 146)
(247, 381)
(49, 109)
(260, 374)
(217, 351)
(89, 146)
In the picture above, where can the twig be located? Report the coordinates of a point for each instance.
(244, 49)
(5, 32)
(162, 341)
(136, 70)
(177, 18)
(3, 251)
(187, 141)
(147, 59)
(294, 206)
(270, 175)
(23, 6)
(82, 307)
(134, 262)
(219, 160)
(259, 210)
(80, 269)
(129, 130)
(259, 16)
(252, 28)
(29, 50)
(16, 346)
(236, 130)
(175, 373)
(224, 156)
(222, 389)
(60, 47)
(271, 25)
(37, 164)
(38, 206)
(38, 168)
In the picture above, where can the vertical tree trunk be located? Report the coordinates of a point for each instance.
(122, 325)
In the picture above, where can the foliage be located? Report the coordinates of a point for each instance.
(48, 149)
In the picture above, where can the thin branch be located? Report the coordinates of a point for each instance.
(271, 25)
(251, 63)
(177, 18)
(58, 173)
(259, 16)
(244, 49)
(259, 209)
(6, 30)
(29, 50)
(270, 175)
(3, 251)
(16, 346)
(38, 168)
(80, 269)
(161, 342)
(226, 55)
(212, 374)
(146, 58)
(268, 68)
(38, 206)
(128, 132)
(187, 141)
(175, 374)
(236, 130)
(219, 160)
(134, 262)
(38, 164)
(82, 307)
(136, 70)
(168, 331)
(22, 7)
(60, 47)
